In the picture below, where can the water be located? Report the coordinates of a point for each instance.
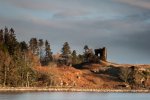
(74, 96)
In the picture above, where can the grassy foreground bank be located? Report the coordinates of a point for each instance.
(67, 89)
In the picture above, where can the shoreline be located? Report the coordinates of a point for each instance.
(67, 89)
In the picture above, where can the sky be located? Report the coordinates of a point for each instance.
(122, 26)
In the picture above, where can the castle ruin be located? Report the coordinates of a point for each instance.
(101, 53)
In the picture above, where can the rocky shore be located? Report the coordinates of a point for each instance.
(68, 89)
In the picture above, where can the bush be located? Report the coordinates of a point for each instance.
(125, 74)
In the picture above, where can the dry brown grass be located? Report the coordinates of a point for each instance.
(77, 78)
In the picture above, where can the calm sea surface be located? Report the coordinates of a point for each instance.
(74, 96)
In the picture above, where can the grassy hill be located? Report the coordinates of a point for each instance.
(103, 76)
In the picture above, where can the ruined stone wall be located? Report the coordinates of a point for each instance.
(101, 53)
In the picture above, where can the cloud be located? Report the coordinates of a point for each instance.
(120, 25)
(138, 3)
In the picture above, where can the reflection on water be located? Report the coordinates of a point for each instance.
(74, 96)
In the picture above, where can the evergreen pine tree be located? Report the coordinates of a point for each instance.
(66, 54)
(48, 53)
(66, 49)
(33, 45)
(74, 57)
(40, 44)
(1, 36)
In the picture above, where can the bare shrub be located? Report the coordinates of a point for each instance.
(125, 74)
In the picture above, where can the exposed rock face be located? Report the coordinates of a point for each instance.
(142, 77)
(101, 53)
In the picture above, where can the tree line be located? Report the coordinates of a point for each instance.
(18, 58)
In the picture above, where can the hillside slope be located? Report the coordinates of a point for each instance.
(104, 76)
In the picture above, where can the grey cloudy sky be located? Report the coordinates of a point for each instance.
(123, 26)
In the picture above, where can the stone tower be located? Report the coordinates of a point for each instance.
(101, 53)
